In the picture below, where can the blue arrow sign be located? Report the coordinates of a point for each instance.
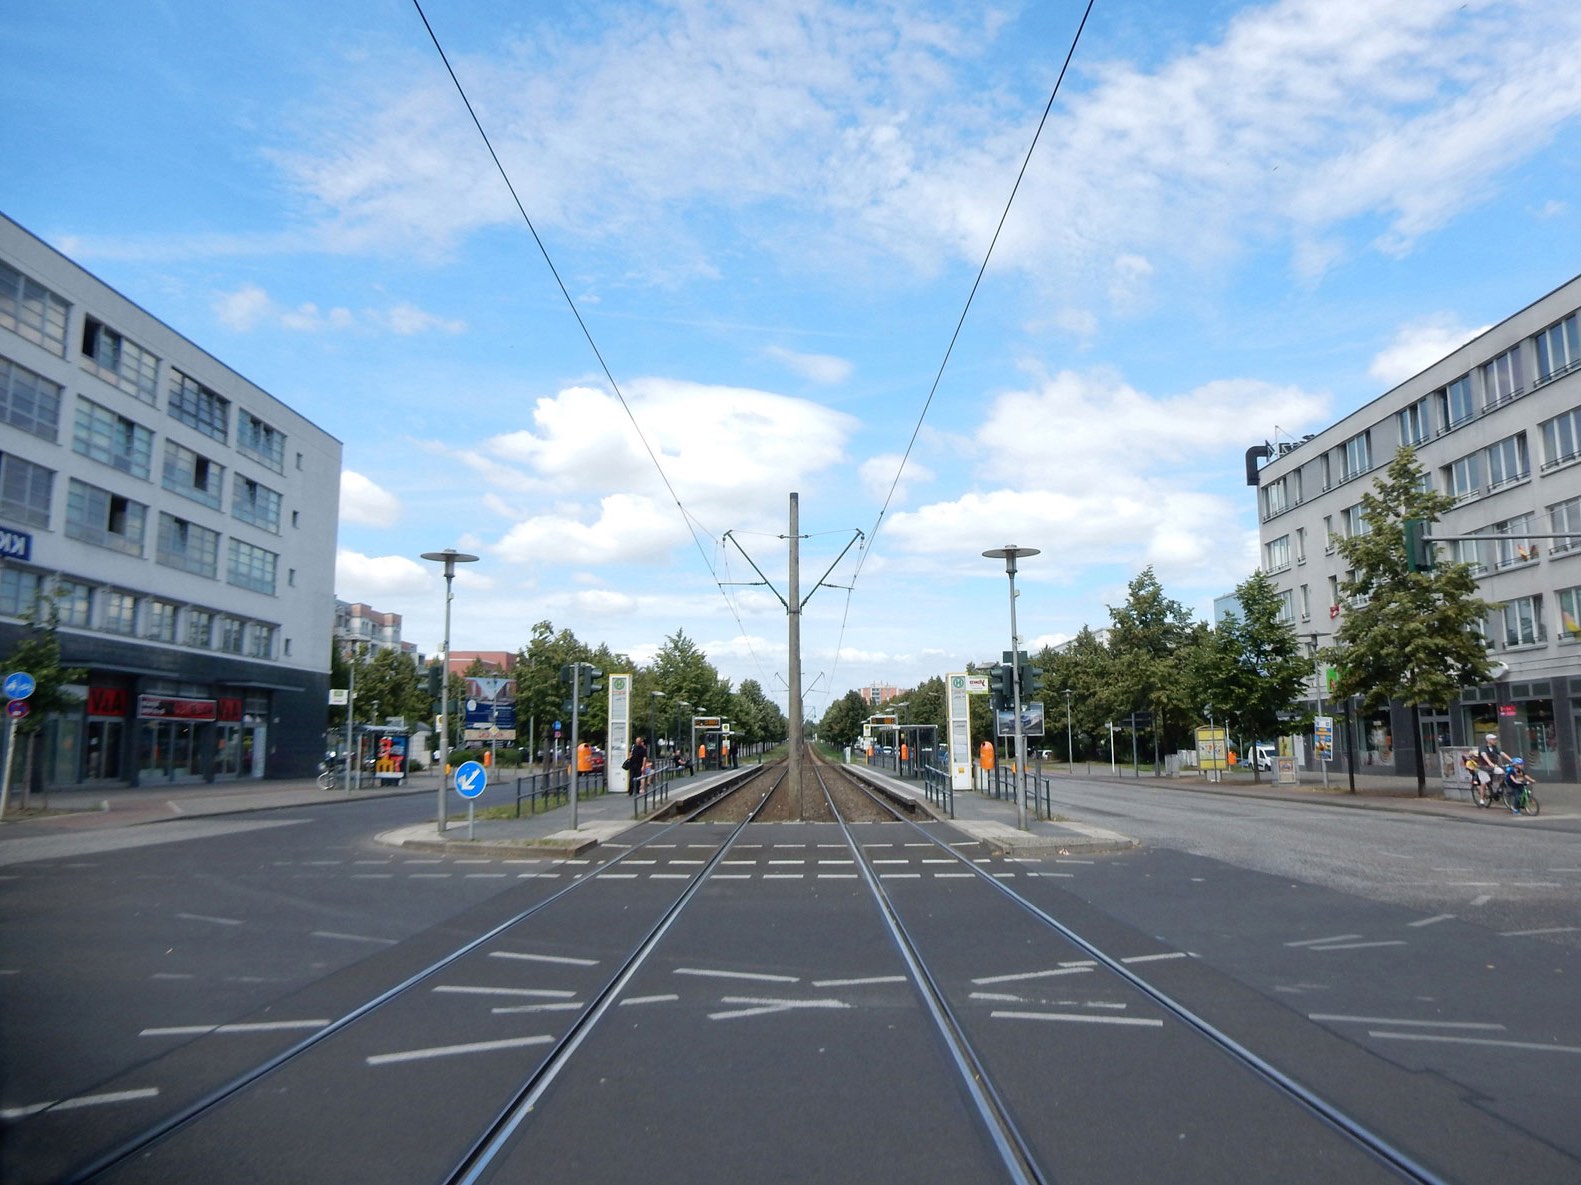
(471, 777)
(19, 685)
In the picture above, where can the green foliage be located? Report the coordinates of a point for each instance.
(37, 653)
(1253, 668)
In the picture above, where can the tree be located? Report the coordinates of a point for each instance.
(1257, 672)
(843, 720)
(37, 653)
(1404, 635)
(1149, 632)
(684, 673)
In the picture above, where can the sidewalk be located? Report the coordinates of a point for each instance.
(601, 816)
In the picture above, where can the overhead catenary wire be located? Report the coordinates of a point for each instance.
(686, 516)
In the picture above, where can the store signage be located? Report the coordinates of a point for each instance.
(108, 701)
(163, 707)
(15, 545)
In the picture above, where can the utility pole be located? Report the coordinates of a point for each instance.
(793, 616)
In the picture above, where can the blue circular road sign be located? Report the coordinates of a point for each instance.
(471, 777)
(19, 685)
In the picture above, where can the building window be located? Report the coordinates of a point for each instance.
(1509, 543)
(159, 621)
(187, 546)
(251, 567)
(1277, 554)
(231, 634)
(256, 504)
(200, 628)
(120, 361)
(73, 603)
(192, 475)
(1562, 438)
(1355, 523)
(1502, 378)
(1565, 518)
(1558, 349)
(1415, 423)
(1287, 607)
(1326, 467)
(25, 491)
(20, 591)
(1465, 476)
(32, 310)
(1301, 545)
(1456, 404)
(198, 407)
(1570, 613)
(260, 640)
(258, 440)
(1507, 461)
(1274, 501)
(29, 401)
(1306, 603)
(104, 519)
(118, 612)
(1520, 622)
(1358, 454)
(114, 440)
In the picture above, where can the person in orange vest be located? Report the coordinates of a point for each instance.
(903, 750)
(985, 755)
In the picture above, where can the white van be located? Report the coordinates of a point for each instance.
(1265, 755)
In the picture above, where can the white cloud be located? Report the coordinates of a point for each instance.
(249, 307)
(364, 501)
(1419, 344)
(243, 309)
(408, 319)
(820, 368)
(379, 580)
(878, 474)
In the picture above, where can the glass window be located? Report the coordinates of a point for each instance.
(1558, 348)
(188, 546)
(192, 475)
(112, 439)
(1455, 403)
(1287, 606)
(231, 635)
(29, 401)
(119, 360)
(1562, 438)
(1465, 476)
(20, 590)
(1570, 613)
(260, 640)
(1278, 554)
(32, 310)
(1565, 517)
(1501, 378)
(159, 621)
(103, 518)
(1507, 461)
(1355, 524)
(1520, 621)
(1358, 454)
(1274, 498)
(255, 503)
(25, 491)
(1415, 423)
(1509, 542)
(198, 407)
(257, 439)
(200, 628)
(118, 612)
(73, 603)
(251, 567)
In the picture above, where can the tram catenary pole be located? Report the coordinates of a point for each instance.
(450, 557)
(1010, 553)
(793, 680)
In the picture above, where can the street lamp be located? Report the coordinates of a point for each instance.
(450, 557)
(653, 722)
(1070, 753)
(1010, 553)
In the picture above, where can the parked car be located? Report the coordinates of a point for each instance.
(1265, 754)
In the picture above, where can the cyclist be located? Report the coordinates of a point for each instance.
(1491, 761)
(1516, 782)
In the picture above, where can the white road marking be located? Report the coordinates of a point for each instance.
(429, 876)
(892, 861)
(352, 937)
(266, 1026)
(170, 975)
(782, 876)
(486, 876)
(1173, 954)
(772, 862)
(1361, 945)
(671, 876)
(821, 861)
(944, 876)
(1316, 941)
(568, 960)
(1081, 1018)
(1434, 920)
(732, 876)
(82, 1100)
(461, 989)
(199, 917)
(758, 1007)
(1025, 975)
(899, 876)
(545, 875)
(1337, 1018)
(1482, 899)
(1546, 930)
(373, 876)
(757, 975)
(1534, 1045)
(824, 983)
(569, 1006)
(664, 999)
(414, 1055)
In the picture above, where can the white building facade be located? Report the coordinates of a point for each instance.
(182, 523)
(1496, 424)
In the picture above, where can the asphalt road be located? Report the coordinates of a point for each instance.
(1417, 971)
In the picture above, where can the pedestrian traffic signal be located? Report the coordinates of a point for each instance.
(1418, 547)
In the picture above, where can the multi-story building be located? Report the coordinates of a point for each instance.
(367, 627)
(179, 524)
(1497, 424)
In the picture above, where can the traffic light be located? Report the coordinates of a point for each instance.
(1031, 683)
(1418, 547)
(1000, 697)
(436, 681)
(592, 681)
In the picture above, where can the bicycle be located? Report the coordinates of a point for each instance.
(1521, 796)
(329, 777)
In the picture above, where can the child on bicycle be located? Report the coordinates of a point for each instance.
(1516, 782)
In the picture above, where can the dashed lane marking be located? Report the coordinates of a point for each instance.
(82, 1100)
(864, 982)
(566, 1006)
(1482, 899)
(1075, 969)
(1171, 954)
(1337, 1018)
(463, 989)
(264, 1026)
(668, 998)
(352, 937)
(1545, 930)
(1360, 945)
(1317, 941)
(415, 1055)
(759, 1007)
(1537, 1046)
(200, 917)
(1432, 921)
(1080, 1018)
(761, 976)
(565, 960)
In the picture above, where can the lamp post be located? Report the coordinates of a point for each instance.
(450, 557)
(1070, 753)
(653, 723)
(1010, 553)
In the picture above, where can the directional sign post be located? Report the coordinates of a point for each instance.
(18, 686)
(471, 778)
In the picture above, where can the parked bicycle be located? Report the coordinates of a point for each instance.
(328, 775)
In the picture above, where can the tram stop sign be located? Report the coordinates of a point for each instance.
(471, 778)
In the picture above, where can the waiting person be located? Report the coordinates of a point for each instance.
(636, 762)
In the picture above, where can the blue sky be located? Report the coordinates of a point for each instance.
(1240, 222)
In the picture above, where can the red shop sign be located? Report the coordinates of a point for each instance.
(230, 708)
(162, 707)
(108, 701)
(1506, 709)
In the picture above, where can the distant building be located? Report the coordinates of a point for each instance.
(359, 623)
(1497, 424)
(874, 696)
(181, 522)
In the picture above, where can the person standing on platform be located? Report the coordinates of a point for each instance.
(636, 762)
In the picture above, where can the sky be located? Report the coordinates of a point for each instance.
(740, 255)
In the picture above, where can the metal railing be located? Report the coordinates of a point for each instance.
(543, 791)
